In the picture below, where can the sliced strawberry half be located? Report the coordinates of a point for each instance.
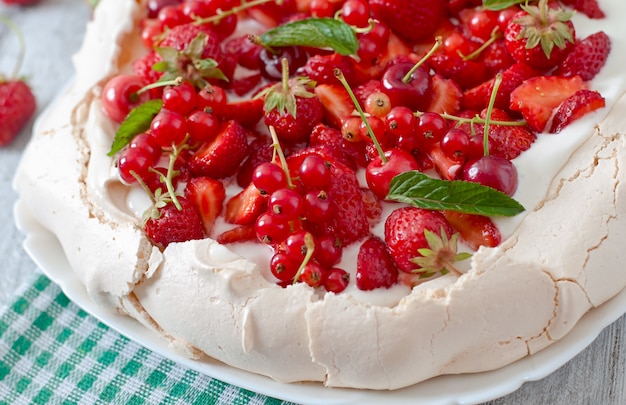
(475, 230)
(576, 106)
(246, 206)
(241, 233)
(375, 267)
(537, 98)
(221, 157)
(208, 195)
(587, 58)
(248, 112)
(336, 101)
(446, 95)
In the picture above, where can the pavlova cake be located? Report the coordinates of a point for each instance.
(360, 194)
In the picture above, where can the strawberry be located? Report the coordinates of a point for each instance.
(181, 36)
(21, 2)
(447, 168)
(404, 233)
(245, 52)
(241, 233)
(245, 207)
(587, 58)
(411, 20)
(506, 141)
(446, 96)
(374, 266)
(142, 67)
(373, 207)
(174, 225)
(248, 111)
(466, 73)
(17, 106)
(574, 107)
(540, 36)
(590, 8)
(208, 195)
(333, 142)
(475, 230)
(320, 68)
(261, 150)
(292, 109)
(537, 98)
(222, 156)
(336, 101)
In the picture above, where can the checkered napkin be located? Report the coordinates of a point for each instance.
(52, 352)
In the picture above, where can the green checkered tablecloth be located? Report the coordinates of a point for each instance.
(52, 352)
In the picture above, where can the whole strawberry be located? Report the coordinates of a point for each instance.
(17, 106)
(405, 236)
(292, 109)
(375, 268)
(171, 224)
(540, 36)
(21, 2)
(410, 19)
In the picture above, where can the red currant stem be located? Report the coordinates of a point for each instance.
(174, 82)
(495, 35)
(339, 75)
(476, 120)
(235, 10)
(492, 101)
(309, 243)
(281, 156)
(22, 44)
(171, 172)
(144, 186)
(438, 42)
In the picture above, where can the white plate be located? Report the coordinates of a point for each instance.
(45, 250)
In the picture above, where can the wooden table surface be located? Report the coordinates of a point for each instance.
(53, 30)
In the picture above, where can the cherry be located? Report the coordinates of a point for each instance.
(379, 174)
(321, 8)
(285, 203)
(356, 13)
(314, 172)
(270, 61)
(412, 90)
(457, 44)
(120, 96)
(492, 171)
(336, 280)
(283, 266)
(269, 177)
(482, 23)
(171, 16)
(181, 99)
(150, 29)
(155, 6)
(134, 160)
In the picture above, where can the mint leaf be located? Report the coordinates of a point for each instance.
(422, 191)
(315, 33)
(496, 5)
(137, 121)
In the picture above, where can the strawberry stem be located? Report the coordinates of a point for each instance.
(339, 75)
(407, 77)
(492, 101)
(309, 243)
(22, 44)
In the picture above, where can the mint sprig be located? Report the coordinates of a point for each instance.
(423, 191)
(315, 33)
(136, 122)
(497, 5)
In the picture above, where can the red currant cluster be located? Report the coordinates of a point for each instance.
(298, 254)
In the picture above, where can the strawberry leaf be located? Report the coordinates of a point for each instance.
(315, 33)
(137, 121)
(422, 191)
(496, 5)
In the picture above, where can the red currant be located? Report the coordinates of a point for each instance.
(203, 126)
(328, 250)
(455, 144)
(400, 121)
(269, 177)
(285, 203)
(431, 127)
(312, 274)
(314, 172)
(270, 229)
(317, 206)
(356, 13)
(134, 162)
(336, 280)
(181, 99)
(169, 128)
(283, 266)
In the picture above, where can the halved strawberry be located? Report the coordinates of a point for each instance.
(373, 207)
(574, 107)
(241, 233)
(506, 141)
(475, 230)
(587, 58)
(446, 96)
(336, 101)
(375, 267)
(590, 8)
(221, 157)
(248, 111)
(245, 207)
(537, 98)
(447, 168)
(208, 195)
(320, 68)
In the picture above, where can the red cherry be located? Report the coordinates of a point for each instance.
(270, 61)
(119, 96)
(492, 171)
(356, 13)
(482, 23)
(379, 175)
(414, 93)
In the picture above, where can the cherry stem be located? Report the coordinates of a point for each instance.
(407, 77)
(235, 10)
(22, 44)
(281, 156)
(339, 75)
(309, 243)
(492, 101)
(495, 35)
